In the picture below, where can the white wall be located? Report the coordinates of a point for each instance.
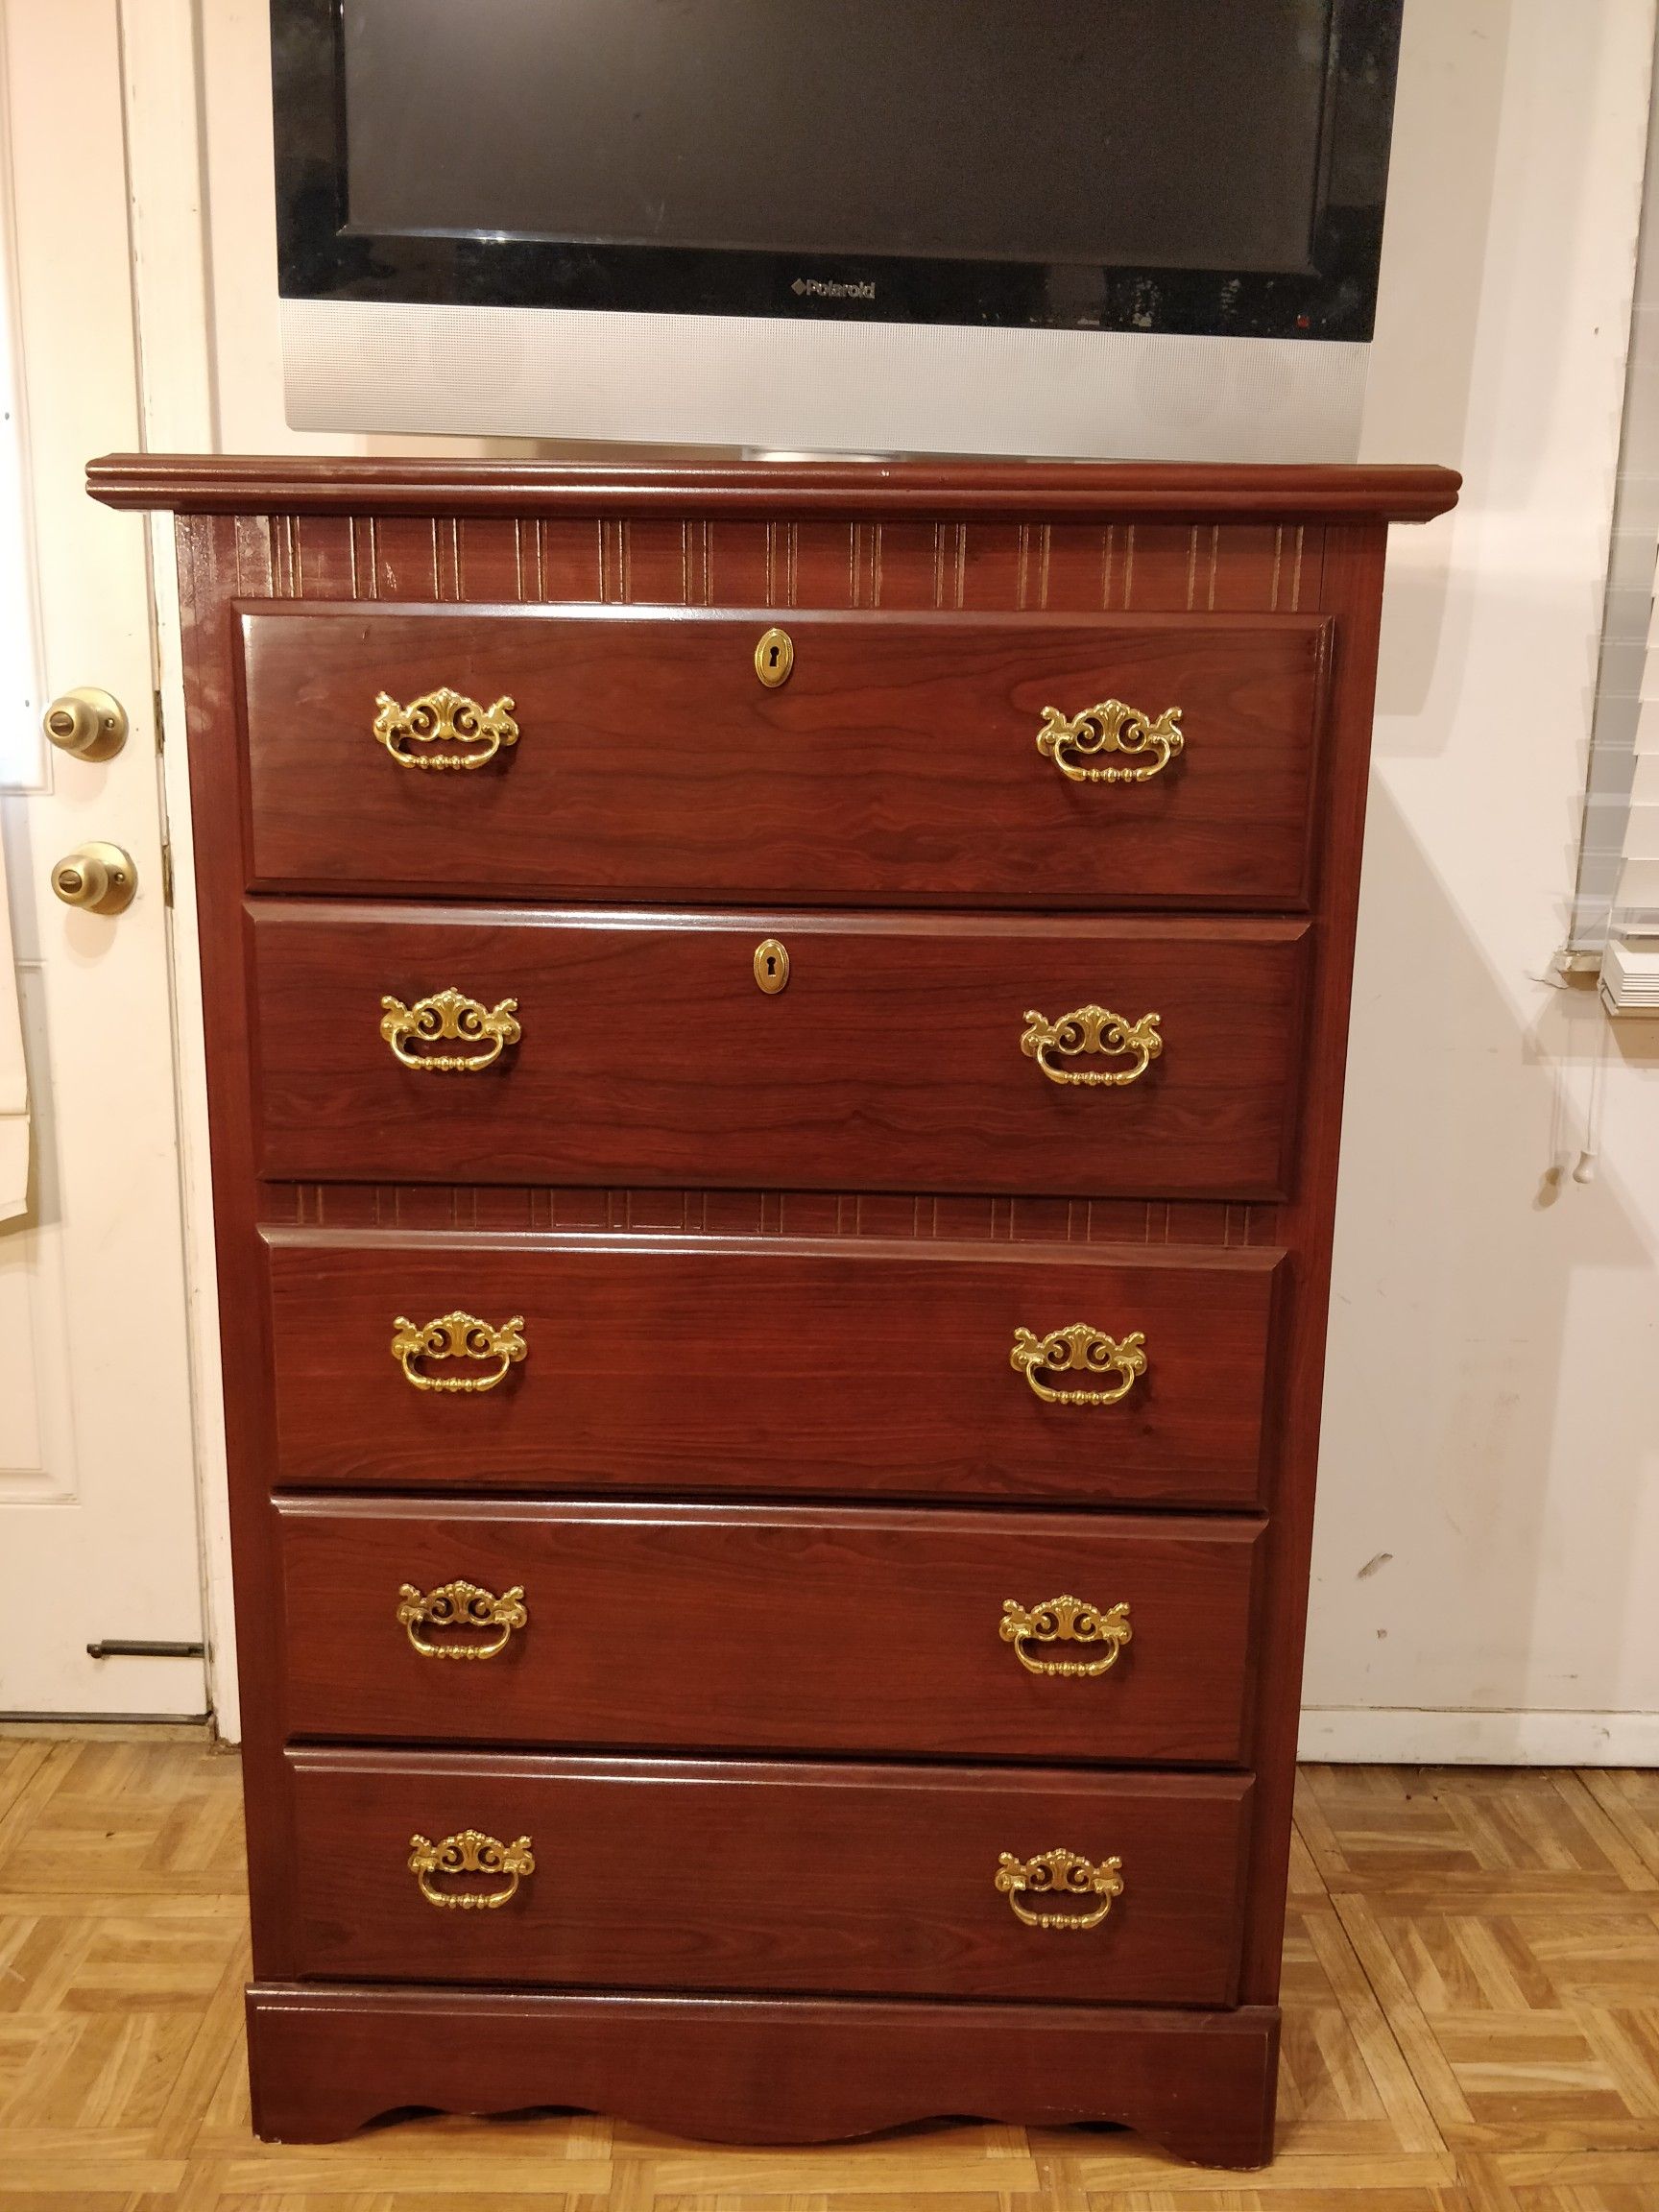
(1488, 1534)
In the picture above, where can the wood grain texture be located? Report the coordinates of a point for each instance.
(956, 1218)
(899, 763)
(739, 1875)
(1254, 1168)
(892, 1060)
(1036, 562)
(207, 483)
(655, 1365)
(770, 1629)
(1200, 2082)
(1467, 2028)
(1353, 565)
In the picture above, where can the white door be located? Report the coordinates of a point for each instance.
(98, 1529)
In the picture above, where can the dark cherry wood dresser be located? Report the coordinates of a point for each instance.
(775, 1048)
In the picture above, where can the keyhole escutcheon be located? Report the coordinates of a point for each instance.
(771, 966)
(775, 657)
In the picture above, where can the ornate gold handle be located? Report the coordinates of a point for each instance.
(1078, 1350)
(1070, 741)
(469, 1853)
(448, 1016)
(1091, 1029)
(443, 717)
(1065, 1621)
(457, 1336)
(461, 1605)
(1059, 1874)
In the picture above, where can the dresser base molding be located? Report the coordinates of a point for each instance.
(326, 2060)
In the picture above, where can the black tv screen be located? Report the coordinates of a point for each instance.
(1212, 165)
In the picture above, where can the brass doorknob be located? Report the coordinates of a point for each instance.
(91, 724)
(99, 879)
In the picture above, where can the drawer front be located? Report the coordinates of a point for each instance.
(767, 1628)
(824, 1367)
(721, 1875)
(900, 761)
(923, 1054)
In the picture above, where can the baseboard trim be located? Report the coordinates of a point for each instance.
(1404, 1736)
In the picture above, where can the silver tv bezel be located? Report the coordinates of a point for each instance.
(577, 374)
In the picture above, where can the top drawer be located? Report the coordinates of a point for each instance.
(641, 753)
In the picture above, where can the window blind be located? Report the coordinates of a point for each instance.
(1616, 907)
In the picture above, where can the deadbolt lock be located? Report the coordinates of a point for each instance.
(775, 657)
(88, 723)
(771, 966)
(98, 879)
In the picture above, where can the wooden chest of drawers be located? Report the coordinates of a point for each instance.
(775, 1040)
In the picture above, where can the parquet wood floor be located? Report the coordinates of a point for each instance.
(1472, 1993)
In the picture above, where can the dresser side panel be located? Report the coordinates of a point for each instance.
(221, 557)
(1352, 590)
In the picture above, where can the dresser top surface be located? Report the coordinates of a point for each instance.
(926, 490)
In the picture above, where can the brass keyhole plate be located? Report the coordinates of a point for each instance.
(771, 966)
(775, 657)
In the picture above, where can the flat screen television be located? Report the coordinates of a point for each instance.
(1120, 227)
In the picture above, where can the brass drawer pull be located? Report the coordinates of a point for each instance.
(1059, 1874)
(1065, 1621)
(461, 1605)
(1072, 741)
(443, 717)
(1079, 1350)
(1091, 1029)
(469, 1853)
(449, 1016)
(458, 1336)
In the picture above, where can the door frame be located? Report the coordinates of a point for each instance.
(167, 202)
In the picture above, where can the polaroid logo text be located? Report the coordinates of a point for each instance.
(816, 288)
